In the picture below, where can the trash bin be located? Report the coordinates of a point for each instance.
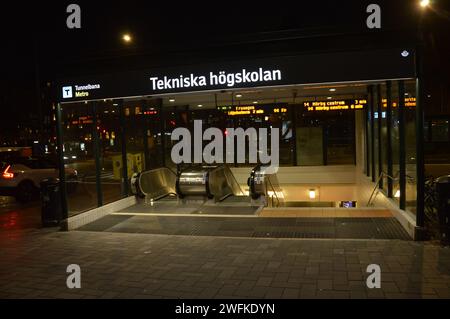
(443, 193)
(51, 214)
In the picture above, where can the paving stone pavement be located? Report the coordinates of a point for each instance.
(115, 265)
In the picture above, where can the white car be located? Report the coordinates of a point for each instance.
(21, 177)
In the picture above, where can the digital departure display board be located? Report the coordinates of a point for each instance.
(409, 102)
(248, 110)
(334, 105)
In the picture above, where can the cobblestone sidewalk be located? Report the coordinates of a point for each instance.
(114, 265)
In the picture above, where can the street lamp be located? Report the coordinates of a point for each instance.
(127, 38)
(424, 3)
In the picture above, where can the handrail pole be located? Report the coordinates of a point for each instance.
(375, 189)
(274, 191)
(377, 182)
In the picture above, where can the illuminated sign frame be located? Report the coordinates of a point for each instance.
(331, 67)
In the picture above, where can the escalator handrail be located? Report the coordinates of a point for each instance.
(273, 190)
(153, 170)
(267, 183)
(235, 180)
(228, 173)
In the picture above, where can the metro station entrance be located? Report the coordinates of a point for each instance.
(347, 161)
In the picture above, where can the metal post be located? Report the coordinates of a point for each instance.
(325, 142)
(372, 133)
(380, 133)
(355, 147)
(145, 128)
(402, 146)
(61, 166)
(420, 140)
(125, 187)
(163, 133)
(366, 132)
(294, 134)
(420, 160)
(390, 168)
(97, 155)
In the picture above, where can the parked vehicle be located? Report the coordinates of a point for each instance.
(21, 177)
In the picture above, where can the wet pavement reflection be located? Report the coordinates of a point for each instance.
(17, 216)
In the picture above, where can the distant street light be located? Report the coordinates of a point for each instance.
(127, 38)
(424, 3)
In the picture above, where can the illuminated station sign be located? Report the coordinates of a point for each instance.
(334, 105)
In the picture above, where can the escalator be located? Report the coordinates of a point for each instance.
(209, 201)
(201, 189)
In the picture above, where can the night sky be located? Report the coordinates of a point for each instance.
(37, 33)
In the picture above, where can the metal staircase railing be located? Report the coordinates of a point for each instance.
(377, 189)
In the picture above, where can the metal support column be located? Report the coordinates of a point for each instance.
(294, 134)
(145, 128)
(389, 123)
(61, 166)
(372, 133)
(163, 133)
(125, 188)
(380, 134)
(420, 160)
(367, 142)
(402, 147)
(97, 154)
(420, 139)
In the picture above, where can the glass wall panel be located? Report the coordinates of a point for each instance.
(310, 140)
(440, 130)
(384, 138)
(211, 118)
(78, 149)
(410, 145)
(110, 140)
(376, 136)
(395, 140)
(225, 110)
(340, 133)
(320, 136)
(143, 133)
(135, 131)
(369, 139)
(173, 117)
(283, 120)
